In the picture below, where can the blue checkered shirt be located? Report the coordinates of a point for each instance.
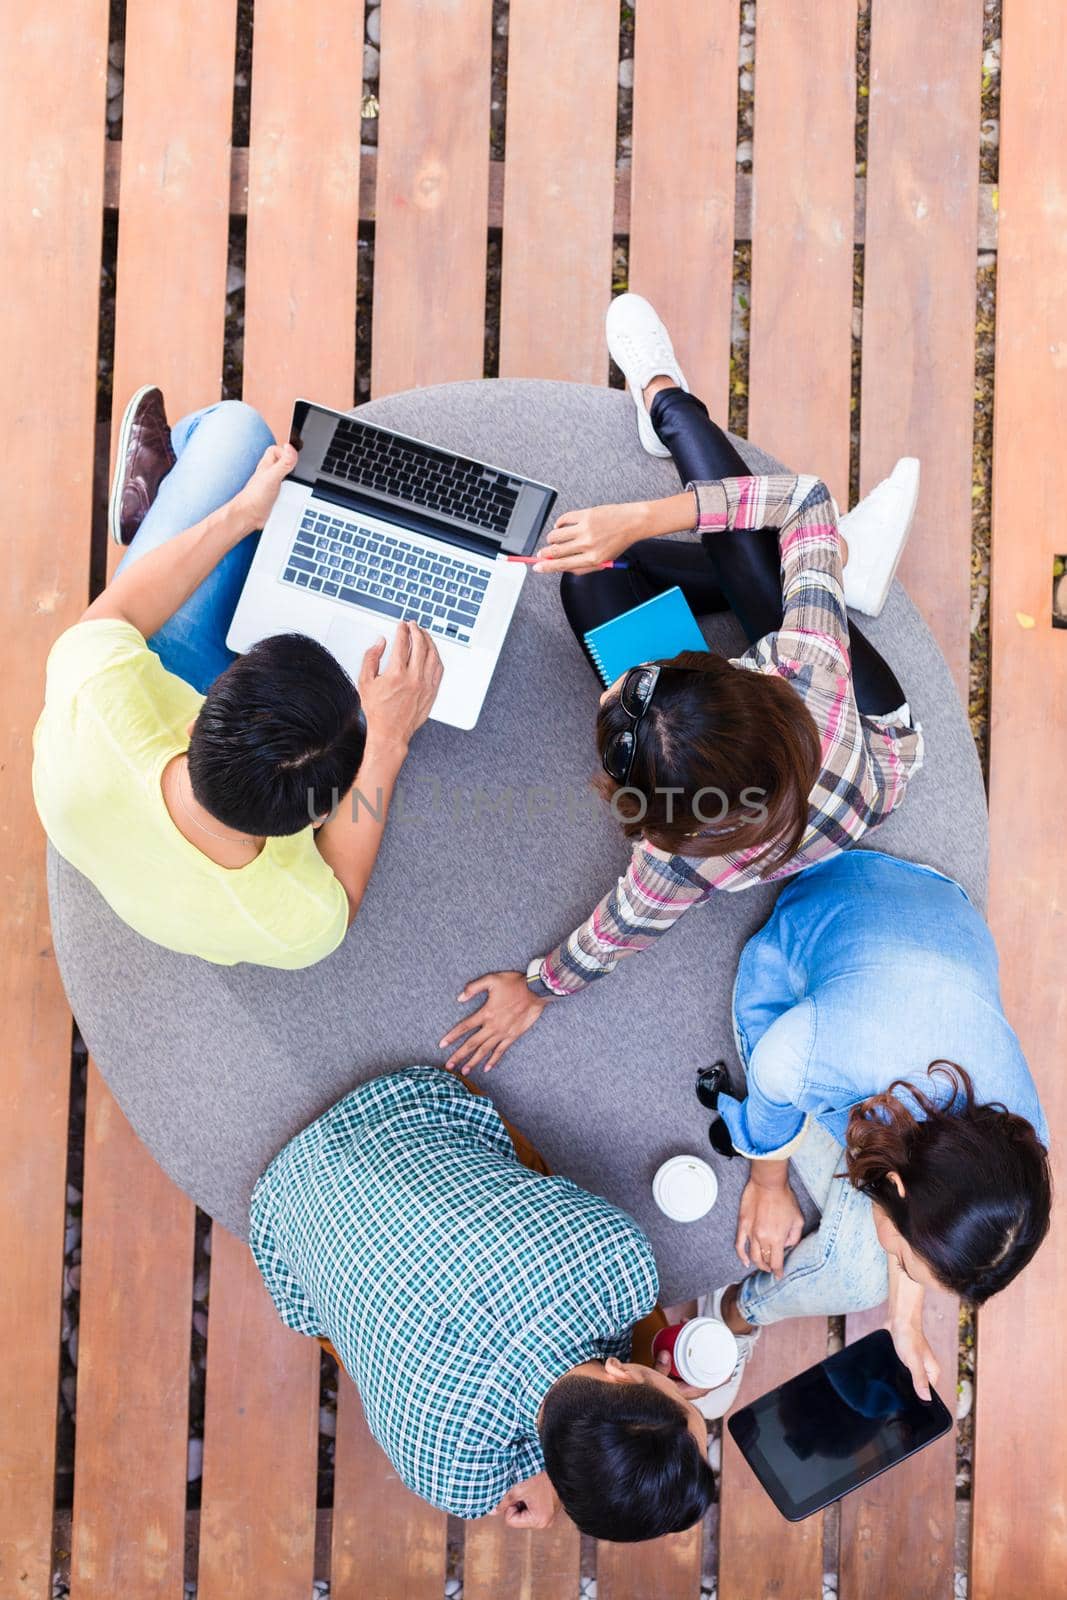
(455, 1284)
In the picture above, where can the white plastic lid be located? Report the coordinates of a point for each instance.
(706, 1352)
(685, 1188)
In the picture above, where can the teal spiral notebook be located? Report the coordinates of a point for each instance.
(654, 631)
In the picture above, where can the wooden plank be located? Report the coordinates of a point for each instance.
(917, 392)
(898, 1534)
(559, 187)
(1020, 1531)
(368, 179)
(303, 206)
(174, 202)
(386, 1541)
(257, 1525)
(133, 1366)
(261, 1435)
(498, 1560)
(802, 235)
(170, 290)
(799, 408)
(669, 1568)
(52, 99)
(432, 230)
(760, 1553)
(917, 386)
(682, 210)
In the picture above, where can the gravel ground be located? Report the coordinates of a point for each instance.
(985, 326)
(737, 416)
(979, 688)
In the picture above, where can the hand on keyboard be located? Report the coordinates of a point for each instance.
(397, 701)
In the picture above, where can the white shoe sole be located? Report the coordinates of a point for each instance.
(114, 504)
(619, 310)
(866, 593)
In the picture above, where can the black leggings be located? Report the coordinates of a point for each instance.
(734, 570)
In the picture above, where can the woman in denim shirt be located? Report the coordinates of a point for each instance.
(879, 1060)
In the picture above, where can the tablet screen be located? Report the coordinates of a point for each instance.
(836, 1425)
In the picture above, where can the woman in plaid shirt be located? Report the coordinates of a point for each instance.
(724, 773)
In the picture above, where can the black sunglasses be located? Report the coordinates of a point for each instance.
(635, 697)
(709, 1081)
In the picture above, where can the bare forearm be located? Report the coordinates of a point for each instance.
(905, 1297)
(770, 1174)
(349, 842)
(675, 513)
(149, 591)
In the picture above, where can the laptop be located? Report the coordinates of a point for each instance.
(373, 528)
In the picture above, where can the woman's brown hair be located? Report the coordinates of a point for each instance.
(726, 761)
(977, 1185)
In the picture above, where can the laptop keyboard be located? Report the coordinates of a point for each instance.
(386, 573)
(432, 479)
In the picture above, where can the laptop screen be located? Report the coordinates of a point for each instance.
(311, 435)
(448, 496)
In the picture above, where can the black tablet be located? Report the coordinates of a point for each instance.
(838, 1425)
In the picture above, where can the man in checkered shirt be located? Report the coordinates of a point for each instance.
(484, 1311)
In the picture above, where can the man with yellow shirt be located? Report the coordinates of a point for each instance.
(199, 792)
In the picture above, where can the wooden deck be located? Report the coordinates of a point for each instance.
(557, 212)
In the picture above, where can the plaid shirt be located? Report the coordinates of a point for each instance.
(866, 761)
(455, 1284)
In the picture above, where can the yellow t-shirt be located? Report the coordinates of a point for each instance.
(113, 718)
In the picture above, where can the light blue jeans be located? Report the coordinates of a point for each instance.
(218, 450)
(841, 1266)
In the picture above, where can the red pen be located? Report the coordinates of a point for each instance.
(601, 566)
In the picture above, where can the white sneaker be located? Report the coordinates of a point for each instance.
(717, 1401)
(876, 531)
(641, 347)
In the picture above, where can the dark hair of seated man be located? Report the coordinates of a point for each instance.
(623, 1459)
(279, 738)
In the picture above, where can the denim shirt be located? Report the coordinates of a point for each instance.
(869, 969)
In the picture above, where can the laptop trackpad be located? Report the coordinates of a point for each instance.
(349, 639)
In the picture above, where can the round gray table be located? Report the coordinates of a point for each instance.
(496, 851)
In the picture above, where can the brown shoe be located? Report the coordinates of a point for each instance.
(143, 460)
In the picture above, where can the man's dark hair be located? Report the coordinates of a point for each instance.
(622, 1459)
(279, 738)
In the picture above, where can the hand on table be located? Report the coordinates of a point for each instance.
(582, 541)
(508, 1011)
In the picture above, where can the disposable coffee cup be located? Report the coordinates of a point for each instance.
(703, 1351)
(685, 1188)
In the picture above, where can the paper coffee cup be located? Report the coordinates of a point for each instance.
(685, 1188)
(705, 1352)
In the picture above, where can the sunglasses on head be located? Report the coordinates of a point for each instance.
(635, 697)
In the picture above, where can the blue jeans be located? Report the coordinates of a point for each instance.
(841, 1266)
(218, 450)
